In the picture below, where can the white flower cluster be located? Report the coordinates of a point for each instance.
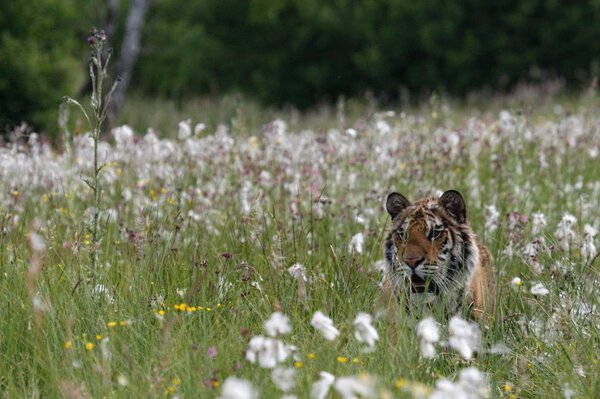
(464, 336)
(270, 351)
(588, 249)
(471, 384)
(564, 232)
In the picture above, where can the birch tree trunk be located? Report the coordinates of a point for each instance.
(130, 50)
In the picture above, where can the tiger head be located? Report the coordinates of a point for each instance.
(430, 247)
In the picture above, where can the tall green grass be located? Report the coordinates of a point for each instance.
(128, 337)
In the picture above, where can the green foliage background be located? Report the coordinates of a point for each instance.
(41, 59)
(300, 52)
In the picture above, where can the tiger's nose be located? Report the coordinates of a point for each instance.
(413, 261)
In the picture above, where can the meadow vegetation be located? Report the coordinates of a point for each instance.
(210, 227)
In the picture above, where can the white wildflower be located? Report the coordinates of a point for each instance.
(564, 232)
(568, 392)
(320, 389)
(324, 325)
(539, 289)
(360, 219)
(364, 331)
(471, 384)
(509, 251)
(538, 223)
(40, 304)
(298, 271)
(355, 387)
(531, 252)
(474, 382)
(105, 349)
(515, 283)
(199, 128)
(492, 218)
(123, 136)
(465, 336)
(267, 351)
(284, 378)
(356, 243)
(185, 130)
(507, 121)
(499, 349)
(428, 333)
(237, 388)
(37, 242)
(588, 249)
(278, 324)
(446, 389)
(122, 380)
(383, 127)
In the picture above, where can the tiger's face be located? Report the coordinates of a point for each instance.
(422, 250)
(429, 247)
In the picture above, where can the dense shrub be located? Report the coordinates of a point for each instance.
(41, 60)
(303, 51)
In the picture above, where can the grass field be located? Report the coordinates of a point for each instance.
(199, 229)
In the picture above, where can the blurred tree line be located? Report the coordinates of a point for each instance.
(299, 52)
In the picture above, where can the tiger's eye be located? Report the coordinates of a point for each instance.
(436, 232)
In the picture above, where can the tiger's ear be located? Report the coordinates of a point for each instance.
(454, 204)
(395, 204)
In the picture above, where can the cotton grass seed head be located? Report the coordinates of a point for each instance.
(364, 332)
(465, 336)
(238, 388)
(278, 324)
(539, 289)
(324, 325)
(352, 387)
(320, 388)
(428, 333)
(284, 378)
(268, 352)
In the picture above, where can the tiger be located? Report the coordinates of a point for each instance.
(433, 258)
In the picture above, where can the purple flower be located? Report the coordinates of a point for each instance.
(212, 352)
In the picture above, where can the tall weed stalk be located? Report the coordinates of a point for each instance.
(95, 118)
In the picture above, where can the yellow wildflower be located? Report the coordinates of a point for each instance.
(89, 346)
(68, 344)
(400, 383)
(342, 359)
(112, 324)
